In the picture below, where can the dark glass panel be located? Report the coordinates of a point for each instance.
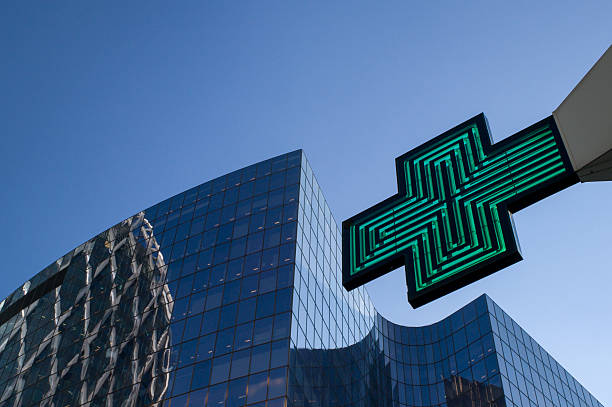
(200, 282)
(265, 305)
(182, 380)
(279, 353)
(244, 335)
(281, 325)
(289, 232)
(218, 274)
(275, 198)
(213, 298)
(231, 196)
(212, 219)
(267, 281)
(252, 263)
(246, 310)
(262, 330)
(235, 269)
(241, 227)
(459, 339)
(206, 346)
(258, 384)
(240, 363)
(231, 292)
(225, 233)
(210, 321)
(221, 253)
(205, 259)
(228, 214)
(277, 385)
(217, 395)
(220, 369)
(269, 258)
(258, 221)
(237, 392)
(293, 176)
(283, 300)
(225, 342)
(290, 212)
(209, 238)
(255, 242)
(201, 375)
(192, 327)
(216, 202)
(272, 237)
(274, 217)
(285, 276)
(228, 315)
(246, 190)
(249, 286)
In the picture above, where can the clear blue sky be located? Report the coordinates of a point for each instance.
(108, 108)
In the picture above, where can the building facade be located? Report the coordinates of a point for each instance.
(229, 294)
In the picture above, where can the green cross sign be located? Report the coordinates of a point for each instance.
(451, 222)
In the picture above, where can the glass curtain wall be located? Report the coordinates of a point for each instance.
(343, 353)
(229, 294)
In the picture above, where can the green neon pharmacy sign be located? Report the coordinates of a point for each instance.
(451, 222)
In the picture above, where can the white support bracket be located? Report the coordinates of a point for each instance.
(584, 120)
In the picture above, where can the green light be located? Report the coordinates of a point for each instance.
(450, 216)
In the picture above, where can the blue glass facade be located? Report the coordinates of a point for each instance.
(229, 294)
(344, 353)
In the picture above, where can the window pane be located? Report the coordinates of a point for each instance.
(220, 369)
(279, 353)
(217, 395)
(228, 315)
(201, 375)
(225, 341)
(231, 293)
(258, 384)
(278, 383)
(206, 347)
(260, 358)
(272, 237)
(246, 310)
(265, 305)
(255, 242)
(283, 300)
(182, 380)
(267, 281)
(274, 217)
(237, 392)
(240, 363)
(244, 335)
(262, 330)
(235, 269)
(210, 321)
(281, 325)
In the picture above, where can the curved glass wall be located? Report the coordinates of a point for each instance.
(229, 294)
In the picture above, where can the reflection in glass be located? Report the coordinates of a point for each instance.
(229, 294)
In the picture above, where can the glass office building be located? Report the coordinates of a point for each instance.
(229, 294)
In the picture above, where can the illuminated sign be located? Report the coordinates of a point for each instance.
(451, 222)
